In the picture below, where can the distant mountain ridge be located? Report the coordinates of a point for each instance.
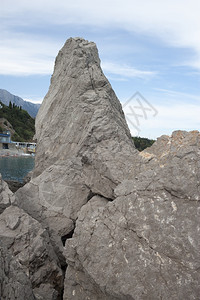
(17, 121)
(31, 108)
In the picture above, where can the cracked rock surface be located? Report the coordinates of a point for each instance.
(32, 252)
(5, 195)
(84, 146)
(14, 283)
(145, 244)
(123, 224)
(142, 246)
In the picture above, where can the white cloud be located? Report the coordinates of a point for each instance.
(125, 70)
(172, 117)
(162, 113)
(176, 95)
(178, 20)
(25, 67)
(33, 99)
(175, 22)
(24, 55)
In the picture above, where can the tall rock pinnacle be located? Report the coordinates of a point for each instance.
(81, 114)
(84, 147)
(128, 222)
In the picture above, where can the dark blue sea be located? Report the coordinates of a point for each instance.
(16, 168)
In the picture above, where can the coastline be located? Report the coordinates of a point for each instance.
(14, 153)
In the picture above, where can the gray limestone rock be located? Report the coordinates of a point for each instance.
(145, 244)
(176, 164)
(135, 215)
(140, 246)
(81, 115)
(84, 146)
(5, 195)
(31, 249)
(14, 283)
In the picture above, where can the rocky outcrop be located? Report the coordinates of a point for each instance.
(29, 267)
(126, 223)
(30, 245)
(147, 240)
(5, 195)
(81, 115)
(84, 147)
(145, 244)
(14, 283)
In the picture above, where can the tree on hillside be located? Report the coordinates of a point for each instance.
(142, 143)
(21, 121)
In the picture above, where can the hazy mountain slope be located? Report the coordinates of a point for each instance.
(18, 121)
(31, 108)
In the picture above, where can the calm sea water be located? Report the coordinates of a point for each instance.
(16, 168)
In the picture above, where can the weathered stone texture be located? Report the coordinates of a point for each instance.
(84, 146)
(14, 283)
(5, 195)
(126, 222)
(30, 246)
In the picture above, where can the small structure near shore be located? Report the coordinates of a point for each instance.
(26, 146)
(5, 139)
(21, 147)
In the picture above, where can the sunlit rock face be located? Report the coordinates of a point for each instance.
(81, 115)
(124, 223)
(84, 146)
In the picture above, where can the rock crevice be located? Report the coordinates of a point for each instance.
(99, 220)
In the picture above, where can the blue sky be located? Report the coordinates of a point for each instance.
(148, 46)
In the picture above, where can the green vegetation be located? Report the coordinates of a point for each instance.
(142, 143)
(24, 126)
(21, 121)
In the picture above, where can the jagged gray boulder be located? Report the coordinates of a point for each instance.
(5, 195)
(81, 115)
(29, 267)
(30, 246)
(145, 244)
(84, 146)
(136, 215)
(14, 283)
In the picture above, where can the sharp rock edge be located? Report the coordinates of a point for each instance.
(122, 224)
